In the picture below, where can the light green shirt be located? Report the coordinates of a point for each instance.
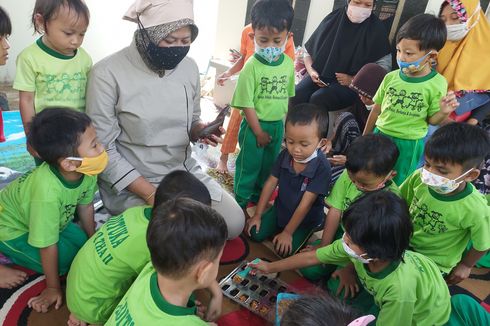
(41, 203)
(144, 304)
(56, 79)
(410, 292)
(107, 265)
(407, 103)
(443, 225)
(265, 87)
(344, 192)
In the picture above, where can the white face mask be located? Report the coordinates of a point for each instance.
(353, 254)
(457, 32)
(358, 14)
(309, 158)
(439, 184)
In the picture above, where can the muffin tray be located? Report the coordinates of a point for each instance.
(257, 293)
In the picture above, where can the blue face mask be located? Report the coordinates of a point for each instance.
(412, 67)
(271, 53)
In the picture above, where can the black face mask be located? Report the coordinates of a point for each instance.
(162, 58)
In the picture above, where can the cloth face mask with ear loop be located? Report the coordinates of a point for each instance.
(91, 165)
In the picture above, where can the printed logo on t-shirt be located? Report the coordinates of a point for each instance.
(429, 221)
(123, 316)
(403, 102)
(275, 88)
(62, 87)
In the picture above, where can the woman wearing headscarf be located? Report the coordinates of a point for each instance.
(464, 58)
(346, 39)
(145, 104)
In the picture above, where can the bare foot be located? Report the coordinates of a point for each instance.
(74, 321)
(223, 164)
(10, 277)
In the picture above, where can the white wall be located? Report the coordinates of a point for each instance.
(318, 10)
(433, 7)
(107, 32)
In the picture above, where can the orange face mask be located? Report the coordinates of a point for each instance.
(91, 165)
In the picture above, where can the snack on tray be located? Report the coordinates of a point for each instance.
(237, 278)
(254, 304)
(243, 298)
(264, 310)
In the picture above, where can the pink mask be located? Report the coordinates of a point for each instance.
(358, 14)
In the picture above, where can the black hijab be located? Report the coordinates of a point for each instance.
(338, 45)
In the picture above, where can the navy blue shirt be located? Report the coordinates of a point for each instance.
(314, 178)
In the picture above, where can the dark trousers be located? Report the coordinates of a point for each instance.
(332, 98)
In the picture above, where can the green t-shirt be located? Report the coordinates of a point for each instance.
(107, 265)
(56, 79)
(344, 192)
(41, 203)
(410, 292)
(265, 87)
(443, 225)
(407, 103)
(144, 304)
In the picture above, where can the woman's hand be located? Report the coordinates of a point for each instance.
(343, 79)
(337, 160)
(214, 140)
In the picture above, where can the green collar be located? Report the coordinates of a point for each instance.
(409, 79)
(462, 194)
(274, 63)
(52, 52)
(165, 306)
(385, 272)
(147, 212)
(66, 183)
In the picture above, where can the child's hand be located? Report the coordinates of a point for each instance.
(337, 160)
(263, 139)
(220, 80)
(200, 309)
(459, 273)
(49, 296)
(347, 281)
(449, 103)
(260, 266)
(214, 307)
(343, 79)
(283, 243)
(254, 221)
(73, 321)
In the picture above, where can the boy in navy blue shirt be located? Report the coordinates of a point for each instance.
(303, 175)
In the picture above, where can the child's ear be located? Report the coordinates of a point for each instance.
(392, 174)
(39, 21)
(251, 35)
(203, 273)
(323, 142)
(472, 175)
(69, 165)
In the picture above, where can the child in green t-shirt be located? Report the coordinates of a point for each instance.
(262, 93)
(112, 258)
(369, 166)
(407, 287)
(414, 96)
(53, 71)
(162, 293)
(447, 211)
(37, 209)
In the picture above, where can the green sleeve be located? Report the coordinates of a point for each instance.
(88, 196)
(292, 81)
(479, 227)
(333, 254)
(439, 89)
(380, 93)
(401, 312)
(243, 97)
(44, 223)
(25, 77)
(406, 188)
(339, 192)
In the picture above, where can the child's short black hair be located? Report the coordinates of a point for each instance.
(55, 133)
(304, 114)
(372, 153)
(183, 232)
(379, 222)
(181, 183)
(318, 310)
(49, 9)
(5, 24)
(428, 30)
(275, 14)
(458, 143)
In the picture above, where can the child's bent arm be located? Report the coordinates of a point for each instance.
(371, 121)
(299, 214)
(303, 259)
(26, 107)
(462, 271)
(86, 214)
(269, 187)
(332, 222)
(252, 120)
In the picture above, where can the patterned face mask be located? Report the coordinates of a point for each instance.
(414, 66)
(439, 184)
(271, 53)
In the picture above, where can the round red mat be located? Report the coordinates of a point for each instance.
(235, 250)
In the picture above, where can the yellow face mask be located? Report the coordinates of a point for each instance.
(92, 165)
